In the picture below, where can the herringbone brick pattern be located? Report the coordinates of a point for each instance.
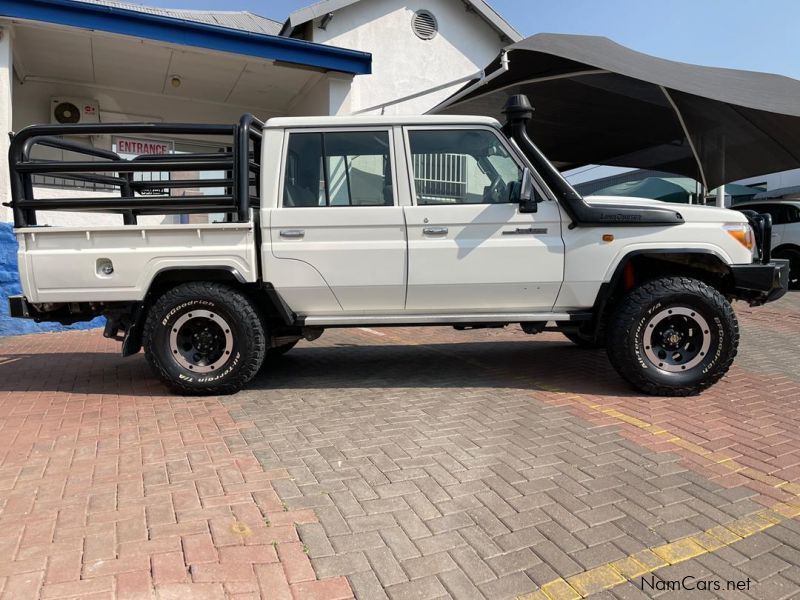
(439, 464)
(399, 463)
(109, 489)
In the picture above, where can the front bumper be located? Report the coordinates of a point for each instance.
(760, 283)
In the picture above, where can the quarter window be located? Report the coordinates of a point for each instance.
(338, 169)
(462, 166)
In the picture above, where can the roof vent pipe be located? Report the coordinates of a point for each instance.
(519, 112)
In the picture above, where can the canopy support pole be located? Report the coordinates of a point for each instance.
(720, 197)
(425, 92)
(688, 137)
(484, 79)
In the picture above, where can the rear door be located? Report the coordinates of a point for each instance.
(470, 248)
(339, 232)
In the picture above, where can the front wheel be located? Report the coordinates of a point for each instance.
(673, 336)
(204, 338)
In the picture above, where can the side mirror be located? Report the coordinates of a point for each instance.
(528, 202)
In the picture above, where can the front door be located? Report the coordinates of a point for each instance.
(470, 249)
(339, 236)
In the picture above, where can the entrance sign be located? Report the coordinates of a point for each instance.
(139, 147)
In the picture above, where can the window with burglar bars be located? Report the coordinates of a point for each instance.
(440, 178)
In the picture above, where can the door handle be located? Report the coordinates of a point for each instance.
(292, 233)
(434, 230)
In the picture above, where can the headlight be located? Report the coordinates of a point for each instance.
(743, 234)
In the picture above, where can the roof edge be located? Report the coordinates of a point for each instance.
(72, 13)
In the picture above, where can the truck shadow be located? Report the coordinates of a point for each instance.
(497, 364)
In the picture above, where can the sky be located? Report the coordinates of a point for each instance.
(759, 35)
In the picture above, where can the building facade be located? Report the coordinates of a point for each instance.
(422, 50)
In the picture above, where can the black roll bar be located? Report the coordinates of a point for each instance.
(240, 164)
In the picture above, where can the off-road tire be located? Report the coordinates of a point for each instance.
(245, 334)
(278, 351)
(582, 338)
(658, 299)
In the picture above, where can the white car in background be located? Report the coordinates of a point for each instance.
(785, 231)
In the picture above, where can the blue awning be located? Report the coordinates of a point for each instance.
(188, 33)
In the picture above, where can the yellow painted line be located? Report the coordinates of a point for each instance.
(558, 589)
(630, 568)
(596, 580)
(788, 510)
(650, 560)
(537, 595)
(709, 541)
(679, 551)
(790, 487)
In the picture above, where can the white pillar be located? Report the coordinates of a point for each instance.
(339, 88)
(6, 81)
(721, 197)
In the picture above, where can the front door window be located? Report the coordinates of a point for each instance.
(461, 166)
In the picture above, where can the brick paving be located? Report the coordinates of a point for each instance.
(399, 463)
(110, 489)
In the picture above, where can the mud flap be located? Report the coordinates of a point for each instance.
(132, 342)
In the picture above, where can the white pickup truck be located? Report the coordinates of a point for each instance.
(376, 221)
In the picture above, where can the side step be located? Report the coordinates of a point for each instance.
(437, 319)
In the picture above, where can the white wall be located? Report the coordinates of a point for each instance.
(329, 94)
(402, 63)
(32, 104)
(6, 75)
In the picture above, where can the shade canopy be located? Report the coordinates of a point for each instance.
(601, 103)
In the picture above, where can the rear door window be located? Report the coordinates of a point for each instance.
(348, 168)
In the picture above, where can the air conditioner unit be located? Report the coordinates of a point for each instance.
(74, 110)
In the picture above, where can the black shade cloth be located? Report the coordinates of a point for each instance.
(601, 103)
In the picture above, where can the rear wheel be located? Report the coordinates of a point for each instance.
(673, 336)
(204, 338)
